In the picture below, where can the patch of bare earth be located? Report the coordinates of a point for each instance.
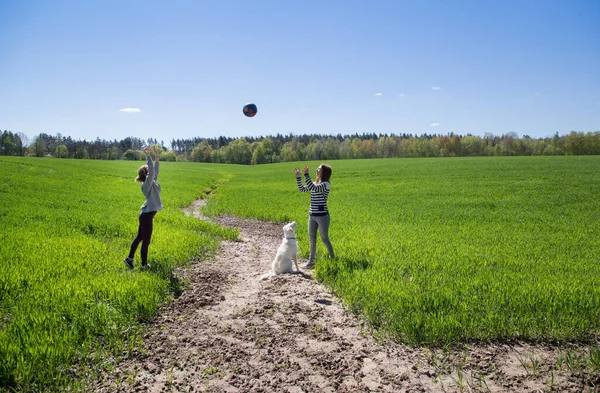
(231, 332)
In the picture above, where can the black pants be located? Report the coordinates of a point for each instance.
(143, 236)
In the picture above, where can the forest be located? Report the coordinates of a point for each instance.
(288, 148)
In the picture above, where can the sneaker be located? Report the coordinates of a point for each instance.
(129, 262)
(308, 265)
(145, 267)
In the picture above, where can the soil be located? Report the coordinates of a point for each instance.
(231, 332)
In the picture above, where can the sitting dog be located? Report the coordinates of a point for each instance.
(287, 251)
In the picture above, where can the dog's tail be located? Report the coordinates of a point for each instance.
(267, 276)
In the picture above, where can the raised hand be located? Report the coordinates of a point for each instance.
(305, 170)
(297, 172)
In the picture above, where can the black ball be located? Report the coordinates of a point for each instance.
(250, 109)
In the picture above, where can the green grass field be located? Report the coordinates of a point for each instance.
(439, 250)
(64, 292)
(430, 251)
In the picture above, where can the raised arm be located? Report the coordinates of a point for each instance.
(149, 176)
(151, 170)
(298, 174)
(156, 161)
(310, 186)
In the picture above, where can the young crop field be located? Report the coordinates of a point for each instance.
(65, 292)
(435, 251)
(429, 251)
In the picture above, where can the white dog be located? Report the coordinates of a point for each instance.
(287, 251)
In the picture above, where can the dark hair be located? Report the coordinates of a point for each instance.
(325, 174)
(142, 173)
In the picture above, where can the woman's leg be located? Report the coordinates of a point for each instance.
(312, 237)
(136, 242)
(323, 222)
(146, 235)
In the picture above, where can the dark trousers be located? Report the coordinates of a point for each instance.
(143, 236)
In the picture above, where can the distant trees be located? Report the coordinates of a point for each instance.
(286, 148)
(12, 144)
(578, 143)
(58, 146)
(61, 152)
(132, 155)
(236, 152)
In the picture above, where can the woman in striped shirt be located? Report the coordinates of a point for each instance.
(318, 215)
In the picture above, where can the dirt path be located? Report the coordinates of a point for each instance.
(231, 332)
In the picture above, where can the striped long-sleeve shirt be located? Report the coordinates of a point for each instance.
(318, 195)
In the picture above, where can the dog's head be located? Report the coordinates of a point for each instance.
(289, 230)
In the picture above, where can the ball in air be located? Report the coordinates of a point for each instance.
(250, 109)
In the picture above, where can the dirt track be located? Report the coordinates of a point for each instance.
(231, 332)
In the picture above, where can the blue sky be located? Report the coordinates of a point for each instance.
(327, 67)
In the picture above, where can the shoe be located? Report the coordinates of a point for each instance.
(129, 262)
(308, 265)
(145, 267)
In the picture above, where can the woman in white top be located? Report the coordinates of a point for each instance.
(147, 175)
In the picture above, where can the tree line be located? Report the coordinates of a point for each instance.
(286, 148)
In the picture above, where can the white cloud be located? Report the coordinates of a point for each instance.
(401, 94)
(378, 94)
(435, 124)
(436, 88)
(130, 110)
